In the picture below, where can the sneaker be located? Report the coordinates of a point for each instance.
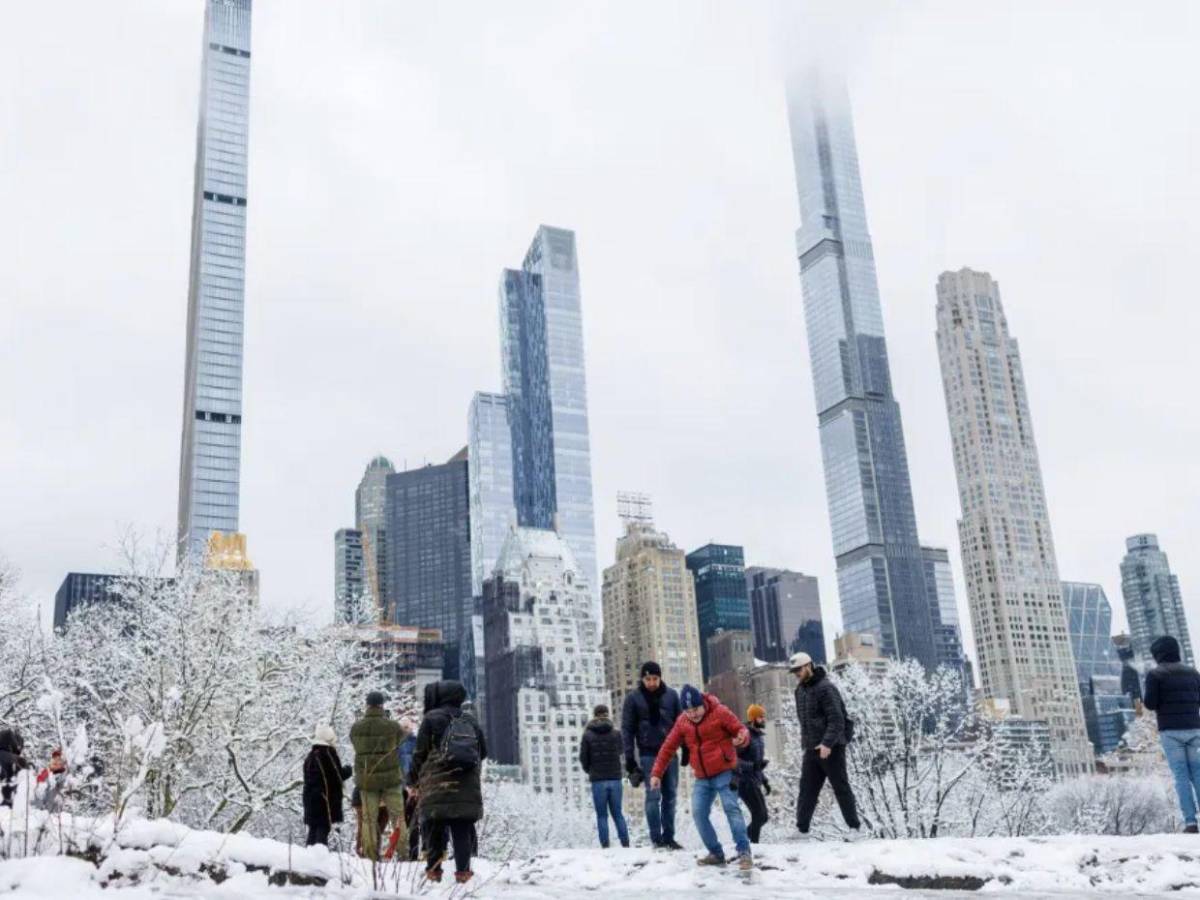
(711, 860)
(1191, 829)
(745, 861)
(672, 844)
(463, 877)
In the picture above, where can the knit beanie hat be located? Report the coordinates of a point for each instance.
(691, 697)
(650, 668)
(755, 712)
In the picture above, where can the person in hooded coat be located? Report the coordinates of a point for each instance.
(11, 762)
(451, 799)
(1173, 693)
(322, 794)
(600, 753)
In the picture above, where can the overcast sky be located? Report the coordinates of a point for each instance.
(403, 153)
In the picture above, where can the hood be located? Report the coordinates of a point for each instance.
(711, 702)
(817, 676)
(444, 693)
(600, 726)
(1165, 649)
(10, 740)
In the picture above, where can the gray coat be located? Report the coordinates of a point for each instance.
(821, 712)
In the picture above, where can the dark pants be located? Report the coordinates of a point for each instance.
(750, 792)
(318, 834)
(416, 829)
(461, 831)
(813, 772)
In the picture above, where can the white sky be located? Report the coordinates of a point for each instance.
(403, 153)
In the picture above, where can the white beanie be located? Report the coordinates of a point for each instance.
(325, 735)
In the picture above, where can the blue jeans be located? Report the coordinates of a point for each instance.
(706, 791)
(1182, 749)
(661, 822)
(606, 797)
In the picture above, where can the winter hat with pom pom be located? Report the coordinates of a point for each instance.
(691, 697)
(324, 736)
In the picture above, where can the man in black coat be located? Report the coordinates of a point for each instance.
(647, 717)
(1173, 692)
(600, 756)
(823, 737)
(451, 799)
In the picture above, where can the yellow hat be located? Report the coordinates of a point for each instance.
(755, 712)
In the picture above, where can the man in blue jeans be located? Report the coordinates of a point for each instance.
(647, 717)
(600, 757)
(1173, 692)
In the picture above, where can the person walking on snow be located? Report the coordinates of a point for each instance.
(823, 737)
(1173, 692)
(322, 793)
(11, 762)
(377, 739)
(647, 716)
(712, 735)
(752, 781)
(600, 756)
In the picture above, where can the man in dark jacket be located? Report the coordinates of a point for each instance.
(647, 718)
(451, 798)
(600, 756)
(11, 762)
(1173, 692)
(377, 739)
(751, 779)
(322, 794)
(823, 738)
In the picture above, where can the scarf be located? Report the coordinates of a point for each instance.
(653, 699)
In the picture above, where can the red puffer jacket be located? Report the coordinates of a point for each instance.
(709, 741)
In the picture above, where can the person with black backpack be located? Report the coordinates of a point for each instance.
(825, 729)
(445, 777)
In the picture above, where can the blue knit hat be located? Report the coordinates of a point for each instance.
(691, 697)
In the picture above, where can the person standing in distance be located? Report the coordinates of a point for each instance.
(1173, 693)
(647, 717)
(823, 737)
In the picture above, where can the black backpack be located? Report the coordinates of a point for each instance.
(460, 744)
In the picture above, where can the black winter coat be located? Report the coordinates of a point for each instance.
(752, 758)
(323, 777)
(600, 751)
(445, 793)
(1172, 688)
(11, 762)
(636, 727)
(821, 712)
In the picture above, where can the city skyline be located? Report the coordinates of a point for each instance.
(704, 356)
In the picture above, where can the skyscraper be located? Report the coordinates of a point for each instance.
(880, 572)
(1011, 571)
(939, 581)
(722, 603)
(210, 457)
(1106, 710)
(429, 551)
(349, 589)
(490, 461)
(370, 518)
(785, 614)
(1153, 600)
(541, 348)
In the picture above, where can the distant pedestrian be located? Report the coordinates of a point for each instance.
(649, 713)
(377, 739)
(752, 780)
(12, 746)
(712, 735)
(445, 776)
(600, 756)
(1173, 692)
(322, 794)
(823, 737)
(411, 819)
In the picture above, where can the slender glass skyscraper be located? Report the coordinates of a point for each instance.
(1153, 599)
(880, 570)
(210, 458)
(490, 467)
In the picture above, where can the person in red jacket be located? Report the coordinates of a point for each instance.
(712, 735)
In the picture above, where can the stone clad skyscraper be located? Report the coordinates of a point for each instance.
(1009, 564)
(880, 570)
(210, 457)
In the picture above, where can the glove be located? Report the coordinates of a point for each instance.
(766, 787)
(684, 756)
(636, 778)
(630, 765)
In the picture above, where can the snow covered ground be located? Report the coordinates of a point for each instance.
(165, 860)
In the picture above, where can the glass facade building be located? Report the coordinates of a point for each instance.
(939, 581)
(370, 517)
(210, 457)
(541, 348)
(1153, 599)
(880, 571)
(1107, 711)
(785, 614)
(490, 460)
(349, 587)
(722, 603)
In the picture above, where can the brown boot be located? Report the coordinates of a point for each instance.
(463, 877)
(434, 874)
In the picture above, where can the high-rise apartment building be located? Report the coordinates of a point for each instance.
(880, 572)
(210, 455)
(545, 671)
(649, 603)
(939, 582)
(1153, 600)
(490, 463)
(785, 614)
(370, 518)
(429, 551)
(349, 574)
(1013, 587)
(541, 348)
(722, 604)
